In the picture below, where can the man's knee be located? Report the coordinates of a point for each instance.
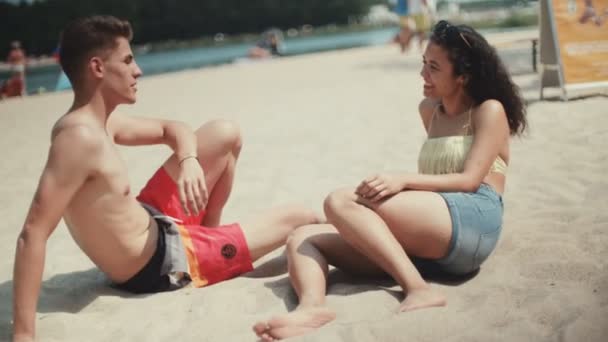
(338, 200)
(227, 135)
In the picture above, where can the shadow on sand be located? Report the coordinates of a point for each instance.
(282, 288)
(68, 293)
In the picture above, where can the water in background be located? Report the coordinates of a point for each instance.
(45, 78)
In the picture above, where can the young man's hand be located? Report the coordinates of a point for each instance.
(192, 188)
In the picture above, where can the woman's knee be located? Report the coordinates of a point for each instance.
(296, 238)
(317, 236)
(338, 200)
(226, 133)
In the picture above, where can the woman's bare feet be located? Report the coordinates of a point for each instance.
(298, 322)
(423, 298)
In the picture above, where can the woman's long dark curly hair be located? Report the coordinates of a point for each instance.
(485, 74)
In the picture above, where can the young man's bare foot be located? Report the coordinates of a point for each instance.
(419, 299)
(298, 322)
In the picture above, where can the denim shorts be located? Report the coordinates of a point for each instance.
(476, 225)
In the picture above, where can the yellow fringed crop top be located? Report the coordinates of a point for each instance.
(447, 155)
(441, 155)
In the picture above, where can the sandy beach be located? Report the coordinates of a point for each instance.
(311, 124)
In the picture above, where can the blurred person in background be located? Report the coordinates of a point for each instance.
(423, 14)
(15, 85)
(406, 26)
(268, 46)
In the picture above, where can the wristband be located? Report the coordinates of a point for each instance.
(187, 157)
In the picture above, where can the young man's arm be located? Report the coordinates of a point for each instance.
(70, 163)
(133, 131)
(181, 139)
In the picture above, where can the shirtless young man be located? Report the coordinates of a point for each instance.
(85, 182)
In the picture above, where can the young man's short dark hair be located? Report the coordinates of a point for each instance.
(85, 36)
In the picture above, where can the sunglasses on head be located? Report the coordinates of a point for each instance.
(449, 31)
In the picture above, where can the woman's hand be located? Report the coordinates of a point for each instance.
(380, 186)
(193, 193)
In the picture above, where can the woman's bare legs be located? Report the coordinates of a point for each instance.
(309, 251)
(414, 222)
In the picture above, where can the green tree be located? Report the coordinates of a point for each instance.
(39, 23)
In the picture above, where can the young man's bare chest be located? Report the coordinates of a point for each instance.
(109, 179)
(105, 199)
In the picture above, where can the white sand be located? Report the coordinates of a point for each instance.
(311, 124)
